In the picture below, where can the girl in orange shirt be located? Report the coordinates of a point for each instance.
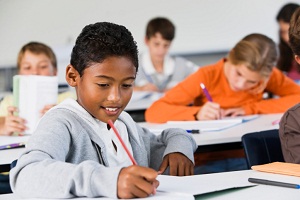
(236, 85)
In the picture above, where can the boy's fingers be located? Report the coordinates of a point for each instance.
(11, 110)
(164, 165)
(141, 193)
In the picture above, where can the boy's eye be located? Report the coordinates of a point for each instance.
(26, 67)
(44, 66)
(103, 84)
(127, 85)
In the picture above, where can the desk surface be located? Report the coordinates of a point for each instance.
(257, 192)
(232, 134)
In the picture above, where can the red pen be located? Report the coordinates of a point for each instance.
(111, 124)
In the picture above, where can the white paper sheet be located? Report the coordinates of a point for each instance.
(198, 184)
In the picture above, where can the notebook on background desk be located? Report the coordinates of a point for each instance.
(202, 126)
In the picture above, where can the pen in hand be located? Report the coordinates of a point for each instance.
(206, 93)
(111, 124)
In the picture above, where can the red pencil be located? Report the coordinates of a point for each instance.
(111, 124)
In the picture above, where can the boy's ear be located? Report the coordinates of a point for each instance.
(72, 76)
(297, 58)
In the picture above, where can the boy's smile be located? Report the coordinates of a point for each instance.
(105, 89)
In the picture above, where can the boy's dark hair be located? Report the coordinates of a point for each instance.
(286, 53)
(294, 32)
(160, 25)
(101, 40)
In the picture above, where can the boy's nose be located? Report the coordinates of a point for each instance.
(114, 95)
(34, 72)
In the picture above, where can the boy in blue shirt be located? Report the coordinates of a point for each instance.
(73, 151)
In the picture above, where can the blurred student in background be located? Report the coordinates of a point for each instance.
(236, 85)
(289, 129)
(158, 70)
(286, 60)
(34, 58)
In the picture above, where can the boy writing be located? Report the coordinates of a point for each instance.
(159, 71)
(289, 128)
(73, 151)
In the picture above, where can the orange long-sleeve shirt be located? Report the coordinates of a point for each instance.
(174, 105)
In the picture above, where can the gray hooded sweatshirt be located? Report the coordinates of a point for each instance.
(66, 158)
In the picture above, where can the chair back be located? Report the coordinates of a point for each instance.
(262, 147)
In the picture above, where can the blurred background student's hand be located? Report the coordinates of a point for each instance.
(136, 181)
(233, 112)
(209, 111)
(46, 108)
(13, 123)
(179, 164)
(150, 87)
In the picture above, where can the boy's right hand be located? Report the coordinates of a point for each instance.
(13, 123)
(150, 87)
(136, 181)
(209, 111)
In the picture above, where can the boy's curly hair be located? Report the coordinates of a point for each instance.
(101, 40)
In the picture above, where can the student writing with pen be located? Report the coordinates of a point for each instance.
(75, 153)
(159, 71)
(236, 85)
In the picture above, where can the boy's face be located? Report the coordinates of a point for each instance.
(240, 78)
(158, 47)
(36, 64)
(105, 88)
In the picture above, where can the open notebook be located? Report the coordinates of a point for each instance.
(203, 126)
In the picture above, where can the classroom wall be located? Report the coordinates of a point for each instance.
(203, 27)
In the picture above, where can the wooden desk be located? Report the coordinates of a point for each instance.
(212, 182)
